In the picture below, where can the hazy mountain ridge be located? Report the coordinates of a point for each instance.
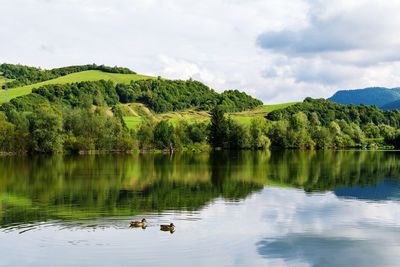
(377, 96)
(391, 105)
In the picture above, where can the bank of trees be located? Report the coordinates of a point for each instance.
(321, 124)
(49, 129)
(53, 129)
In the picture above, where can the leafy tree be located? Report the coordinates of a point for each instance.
(164, 135)
(278, 133)
(299, 121)
(322, 137)
(145, 135)
(258, 134)
(45, 127)
(371, 130)
(235, 101)
(238, 135)
(197, 132)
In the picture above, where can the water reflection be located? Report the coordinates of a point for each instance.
(43, 188)
(324, 230)
(237, 209)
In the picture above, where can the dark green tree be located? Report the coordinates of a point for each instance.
(218, 128)
(164, 135)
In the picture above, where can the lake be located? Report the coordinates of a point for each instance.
(279, 208)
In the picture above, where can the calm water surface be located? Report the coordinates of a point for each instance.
(239, 209)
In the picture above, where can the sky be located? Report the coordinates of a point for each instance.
(277, 51)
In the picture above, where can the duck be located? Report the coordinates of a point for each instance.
(168, 227)
(141, 223)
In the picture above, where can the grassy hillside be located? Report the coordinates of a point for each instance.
(134, 113)
(90, 75)
(245, 117)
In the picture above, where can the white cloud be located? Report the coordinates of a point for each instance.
(181, 69)
(344, 43)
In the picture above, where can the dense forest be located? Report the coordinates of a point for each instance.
(86, 116)
(327, 112)
(165, 95)
(319, 123)
(19, 75)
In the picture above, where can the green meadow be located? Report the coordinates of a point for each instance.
(90, 75)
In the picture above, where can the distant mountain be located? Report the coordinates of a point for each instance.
(391, 105)
(378, 96)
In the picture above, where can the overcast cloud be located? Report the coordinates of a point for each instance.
(275, 50)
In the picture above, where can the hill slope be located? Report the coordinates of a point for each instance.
(135, 113)
(378, 96)
(90, 75)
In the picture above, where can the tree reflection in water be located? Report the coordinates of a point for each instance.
(79, 187)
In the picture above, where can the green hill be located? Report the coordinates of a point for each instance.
(90, 75)
(133, 113)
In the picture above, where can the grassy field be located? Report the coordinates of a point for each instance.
(135, 113)
(90, 75)
(132, 122)
(245, 117)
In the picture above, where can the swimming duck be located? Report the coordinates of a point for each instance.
(142, 223)
(166, 228)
